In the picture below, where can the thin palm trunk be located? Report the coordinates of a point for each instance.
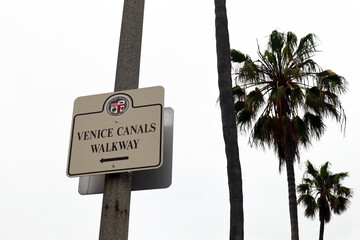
(292, 195)
(322, 227)
(228, 121)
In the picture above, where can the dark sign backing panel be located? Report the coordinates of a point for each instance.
(141, 180)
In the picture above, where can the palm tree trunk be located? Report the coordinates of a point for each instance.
(292, 194)
(228, 122)
(322, 227)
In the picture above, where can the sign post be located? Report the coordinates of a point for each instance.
(117, 190)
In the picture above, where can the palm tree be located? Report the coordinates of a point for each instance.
(228, 122)
(283, 98)
(321, 191)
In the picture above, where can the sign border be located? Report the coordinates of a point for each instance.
(116, 170)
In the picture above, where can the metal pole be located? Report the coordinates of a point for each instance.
(117, 190)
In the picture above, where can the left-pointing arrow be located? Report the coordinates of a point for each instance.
(113, 159)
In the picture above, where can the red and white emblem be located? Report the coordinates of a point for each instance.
(117, 106)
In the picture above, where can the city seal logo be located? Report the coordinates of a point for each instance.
(117, 106)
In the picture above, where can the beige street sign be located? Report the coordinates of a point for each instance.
(117, 132)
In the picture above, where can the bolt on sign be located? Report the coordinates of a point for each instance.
(117, 132)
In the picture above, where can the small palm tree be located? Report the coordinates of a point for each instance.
(283, 99)
(321, 191)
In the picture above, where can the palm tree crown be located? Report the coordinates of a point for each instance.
(285, 95)
(321, 191)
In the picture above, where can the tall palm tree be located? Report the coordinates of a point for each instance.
(321, 191)
(283, 98)
(228, 122)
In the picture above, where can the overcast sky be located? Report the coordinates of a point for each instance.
(51, 52)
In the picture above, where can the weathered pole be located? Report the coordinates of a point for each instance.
(117, 190)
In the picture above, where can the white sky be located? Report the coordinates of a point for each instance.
(54, 51)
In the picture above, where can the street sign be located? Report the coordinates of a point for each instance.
(117, 132)
(141, 180)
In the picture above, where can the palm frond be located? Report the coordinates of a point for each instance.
(313, 99)
(311, 170)
(332, 82)
(263, 132)
(296, 97)
(307, 47)
(249, 72)
(315, 124)
(324, 171)
(277, 94)
(303, 188)
(238, 57)
(255, 99)
(244, 118)
(340, 204)
(302, 131)
(238, 92)
(311, 207)
(276, 41)
(289, 48)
